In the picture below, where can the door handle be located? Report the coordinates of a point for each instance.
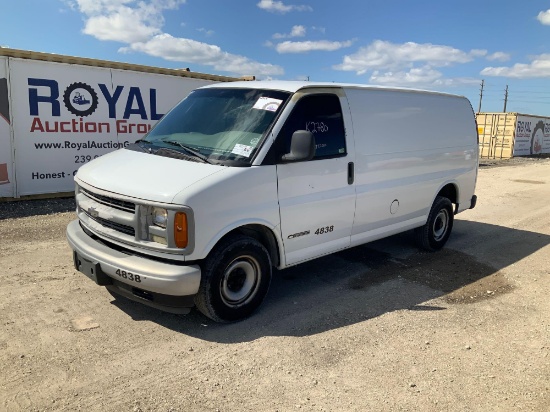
(351, 173)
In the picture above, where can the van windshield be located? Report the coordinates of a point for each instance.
(223, 126)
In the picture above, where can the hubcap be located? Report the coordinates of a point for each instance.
(240, 280)
(440, 225)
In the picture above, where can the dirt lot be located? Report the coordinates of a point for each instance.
(380, 327)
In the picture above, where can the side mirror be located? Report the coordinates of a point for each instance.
(302, 147)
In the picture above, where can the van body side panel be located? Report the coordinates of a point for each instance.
(408, 146)
(224, 201)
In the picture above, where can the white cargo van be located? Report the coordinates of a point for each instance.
(242, 177)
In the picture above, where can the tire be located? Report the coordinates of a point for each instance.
(435, 233)
(235, 279)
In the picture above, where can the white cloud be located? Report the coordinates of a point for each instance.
(124, 26)
(478, 52)
(380, 55)
(307, 46)
(139, 23)
(274, 6)
(91, 7)
(125, 21)
(191, 51)
(538, 68)
(422, 75)
(544, 17)
(499, 56)
(418, 77)
(409, 64)
(207, 33)
(297, 31)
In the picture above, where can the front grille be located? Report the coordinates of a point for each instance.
(120, 220)
(113, 225)
(110, 201)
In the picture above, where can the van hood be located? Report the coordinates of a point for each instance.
(143, 175)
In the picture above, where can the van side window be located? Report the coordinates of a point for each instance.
(320, 114)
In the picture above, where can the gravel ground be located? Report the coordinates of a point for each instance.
(379, 327)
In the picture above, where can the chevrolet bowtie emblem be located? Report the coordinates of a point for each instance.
(92, 211)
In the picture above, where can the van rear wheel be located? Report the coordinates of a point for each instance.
(435, 233)
(235, 279)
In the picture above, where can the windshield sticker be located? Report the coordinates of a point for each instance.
(267, 103)
(255, 141)
(242, 150)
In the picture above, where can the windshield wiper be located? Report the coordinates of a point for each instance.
(189, 150)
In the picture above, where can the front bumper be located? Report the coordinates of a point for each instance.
(163, 285)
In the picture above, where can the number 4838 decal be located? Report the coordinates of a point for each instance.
(128, 275)
(323, 230)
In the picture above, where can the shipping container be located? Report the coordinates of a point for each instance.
(59, 112)
(505, 135)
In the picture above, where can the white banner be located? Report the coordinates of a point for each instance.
(532, 135)
(66, 115)
(6, 151)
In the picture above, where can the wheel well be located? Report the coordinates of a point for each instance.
(449, 191)
(263, 235)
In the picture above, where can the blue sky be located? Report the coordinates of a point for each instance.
(446, 45)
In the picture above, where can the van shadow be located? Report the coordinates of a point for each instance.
(368, 281)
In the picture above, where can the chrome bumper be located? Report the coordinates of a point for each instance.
(99, 261)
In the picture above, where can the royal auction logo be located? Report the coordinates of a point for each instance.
(80, 99)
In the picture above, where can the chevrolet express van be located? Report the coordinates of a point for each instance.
(242, 177)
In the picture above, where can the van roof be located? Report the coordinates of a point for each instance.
(294, 86)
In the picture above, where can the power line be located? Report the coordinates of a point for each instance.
(529, 91)
(528, 101)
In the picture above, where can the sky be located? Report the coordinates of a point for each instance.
(445, 45)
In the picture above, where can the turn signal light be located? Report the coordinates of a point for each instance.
(181, 237)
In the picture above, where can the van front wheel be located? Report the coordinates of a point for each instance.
(435, 233)
(235, 279)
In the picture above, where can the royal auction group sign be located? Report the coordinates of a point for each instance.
(55, 117)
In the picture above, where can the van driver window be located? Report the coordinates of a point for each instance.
(321, 115)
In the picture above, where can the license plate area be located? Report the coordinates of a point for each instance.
(91, 270)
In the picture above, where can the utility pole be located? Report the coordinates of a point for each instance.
(505, 98)
(481, 95)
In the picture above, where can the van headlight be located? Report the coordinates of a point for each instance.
(168, 227)
(160, 217)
